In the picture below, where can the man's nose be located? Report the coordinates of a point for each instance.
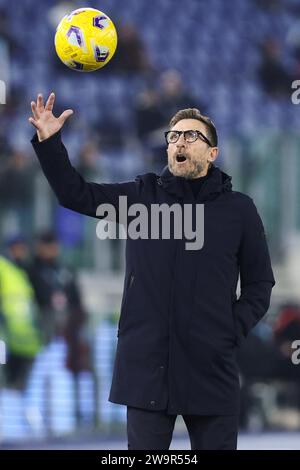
(181, 138)
(181, 141)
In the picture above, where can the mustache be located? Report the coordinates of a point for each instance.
(181, 154)
(180, 157)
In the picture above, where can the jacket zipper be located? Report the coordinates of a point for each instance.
(171, 306)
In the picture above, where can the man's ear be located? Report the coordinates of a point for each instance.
(213, 154)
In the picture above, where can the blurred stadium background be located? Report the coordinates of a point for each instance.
(234, 60)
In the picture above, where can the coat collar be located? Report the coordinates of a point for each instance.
(216, 183)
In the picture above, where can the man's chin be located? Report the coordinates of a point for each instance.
(176, 170)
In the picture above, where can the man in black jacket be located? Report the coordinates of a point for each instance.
(181, 321)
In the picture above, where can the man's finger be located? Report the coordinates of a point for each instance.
(34, 110)
(40, 103)
(50, 102)
(34, 123)
(65, 115)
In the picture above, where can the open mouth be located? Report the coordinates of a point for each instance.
(180, 158)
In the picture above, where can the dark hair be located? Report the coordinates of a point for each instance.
(47, 237)
(15, 239)
(194, 113)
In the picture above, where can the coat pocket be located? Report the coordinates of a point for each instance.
(128, 286)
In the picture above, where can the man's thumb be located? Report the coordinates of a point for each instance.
(65, 115)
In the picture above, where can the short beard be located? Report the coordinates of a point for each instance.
(191, 174)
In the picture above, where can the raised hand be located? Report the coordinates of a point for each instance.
(44, 120)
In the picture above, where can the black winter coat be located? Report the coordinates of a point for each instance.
(181, 321)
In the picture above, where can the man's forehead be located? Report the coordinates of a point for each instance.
(187, 124)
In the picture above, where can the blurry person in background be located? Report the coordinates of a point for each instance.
(16, 47)
(148, 112)
(287, 329)
(10, 48)
(18, 314)
(267, 358)
(149, 121)
(270, 5)
(18, 251)
(274, 77)
(131, 56)
(89, 159)
(16, 192)
(57, 293)
(62, 313)
(173, 95)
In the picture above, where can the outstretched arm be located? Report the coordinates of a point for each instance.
(72, 191)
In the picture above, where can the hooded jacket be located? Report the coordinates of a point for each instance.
(181, 321)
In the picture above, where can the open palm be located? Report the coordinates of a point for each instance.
(44, 120)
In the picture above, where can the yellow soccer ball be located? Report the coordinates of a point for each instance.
(86, 39)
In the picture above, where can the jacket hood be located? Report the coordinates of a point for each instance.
(216, 183)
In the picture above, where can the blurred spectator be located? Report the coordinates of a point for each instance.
(270, 5)
(263, 360)
(17, 251)
(111, 135)
(14, 100)
(89, 161)
(149, 122)
(59, 299)
(174, 96)
(148, 115)
(297, 59)
(131, 55)
(274, 77)
(16, 191)
(287, 328)
(6, 36)
(18, 315)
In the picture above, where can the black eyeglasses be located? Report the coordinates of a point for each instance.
(189, 136)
